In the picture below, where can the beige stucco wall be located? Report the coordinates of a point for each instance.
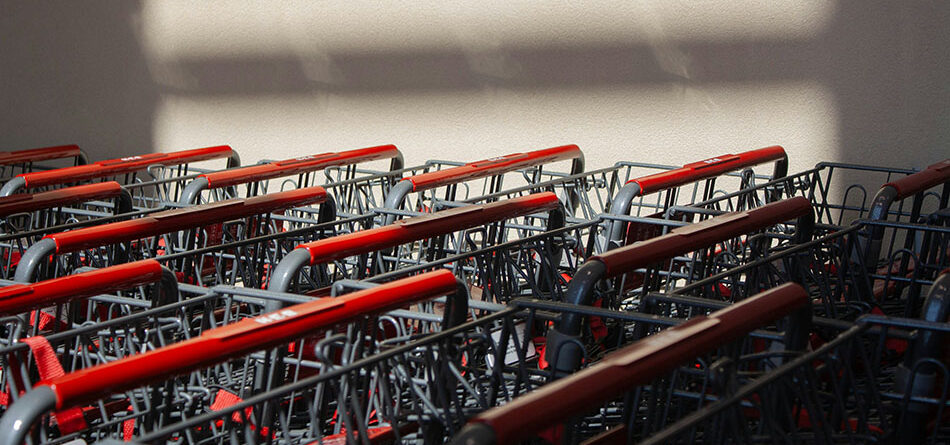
(647, 80)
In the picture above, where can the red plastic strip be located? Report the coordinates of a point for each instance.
(39, 154)
(124, 165)
(243, 337)
(911, 185)
(299, 165)
(493, 166)
(707, 169)
(20, 298)
(25, 202)
(638, 364)
(69, 420)
(184, 218)
(696, 236)
(426, 226)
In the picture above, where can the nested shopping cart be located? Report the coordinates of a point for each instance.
(162, 232)
(25, 161)
(637, 390)
(214, 351)
(150, 178)
(352, 195)
(843, 193)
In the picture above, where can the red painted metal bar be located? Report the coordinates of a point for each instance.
(249, 335)
(184, 218)
(426, 226)
(637, 364)
(122, 166)
(707, 169)
(696, 236)
(20, 298)
(493, 166)
(299, 165)
(39, 154)
(25, 202)
(932, 176)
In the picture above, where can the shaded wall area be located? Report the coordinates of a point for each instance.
(868, 84)
(74, 72)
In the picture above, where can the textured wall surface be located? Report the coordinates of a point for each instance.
(649, 80)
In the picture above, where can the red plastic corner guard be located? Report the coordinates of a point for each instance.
(933, 175)
(696, 236)
(20, 298)
(637, 364)
(39, 154)
(184, 218)
(707, 168)
(299, 165)
(493, 166)
(124, 165)
(25, 202)
(426, 226)
(245, 336)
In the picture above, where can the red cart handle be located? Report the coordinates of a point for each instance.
(25, 202)
(40, 154)
(122, 166)
(695, 236)
(253, 334)
(911, 185)
(637, 364)
(493, 166)
(299, 165)
(19, 298)
(426, 226)
(184, 218)
(708, 168)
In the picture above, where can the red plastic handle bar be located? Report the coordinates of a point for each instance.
(426, 226)
(122, 165)
(39, 154)
(20, 298)
(696, 236)
(25, 202)
(910, 185)
(249, 335)
(637, 364)
(493, 166)
(299, 165)
(707, 169)
(184, 218)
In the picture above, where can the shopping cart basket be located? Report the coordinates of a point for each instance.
(648, 377)
(25, 161)
(879, 380)
(425, 239)
(221, 358)
(189, 227)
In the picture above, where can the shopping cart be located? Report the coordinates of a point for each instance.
(25, 161)
(215, 351)
(843, 193)
(426, 239)
(21, 304)
(156, 233)
(258, 179)
(166, 174)
(452, 183)
(881, 380)
(662, 377)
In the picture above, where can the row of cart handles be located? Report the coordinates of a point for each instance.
(278, 327)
